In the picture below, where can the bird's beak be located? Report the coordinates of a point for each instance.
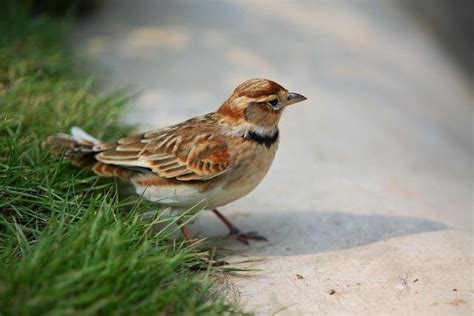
(294, 98)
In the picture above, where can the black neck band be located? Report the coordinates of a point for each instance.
(267, 140)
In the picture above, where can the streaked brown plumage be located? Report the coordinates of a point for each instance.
(209, 160)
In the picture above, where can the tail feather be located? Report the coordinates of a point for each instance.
(77, 147)
(80, 148)
(81, 136)
(79, 143)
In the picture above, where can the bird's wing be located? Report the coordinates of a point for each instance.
(188, 151)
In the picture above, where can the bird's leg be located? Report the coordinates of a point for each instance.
(232, 228)
(234, 231)
(184, 231)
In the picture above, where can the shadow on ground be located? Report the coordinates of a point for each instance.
(309, 232)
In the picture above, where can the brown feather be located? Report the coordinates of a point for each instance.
(113, 154)
(130, 147)
(256, 88)
(106, 170)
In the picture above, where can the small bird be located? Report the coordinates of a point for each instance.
(209, 160)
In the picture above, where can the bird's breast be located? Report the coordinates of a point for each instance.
(251, 166)
(251, 163)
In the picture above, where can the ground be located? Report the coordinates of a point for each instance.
(368, 206)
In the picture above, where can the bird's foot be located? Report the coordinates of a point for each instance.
(234, 231)
(245, 237)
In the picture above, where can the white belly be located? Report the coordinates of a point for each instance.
(188, 197)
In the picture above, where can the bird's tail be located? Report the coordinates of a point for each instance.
(79, 147)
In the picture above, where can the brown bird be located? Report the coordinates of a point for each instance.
(209, 160)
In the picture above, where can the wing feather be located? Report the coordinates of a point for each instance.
(193, 150)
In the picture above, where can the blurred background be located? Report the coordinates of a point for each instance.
(450, 22)
(374, 175)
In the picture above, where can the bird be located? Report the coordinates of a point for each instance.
(210, 160)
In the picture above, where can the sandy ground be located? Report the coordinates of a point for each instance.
(369, 204)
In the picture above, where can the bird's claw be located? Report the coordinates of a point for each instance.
(245, 237)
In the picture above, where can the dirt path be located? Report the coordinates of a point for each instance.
(368, 206)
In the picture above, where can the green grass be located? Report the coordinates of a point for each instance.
(68, 243)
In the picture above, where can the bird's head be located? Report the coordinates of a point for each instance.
(257, 104)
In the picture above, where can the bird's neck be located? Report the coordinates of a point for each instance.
(265, 139)
(250, 131)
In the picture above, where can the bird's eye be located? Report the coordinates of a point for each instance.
(273, 102)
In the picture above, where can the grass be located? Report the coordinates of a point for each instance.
(68, 243)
